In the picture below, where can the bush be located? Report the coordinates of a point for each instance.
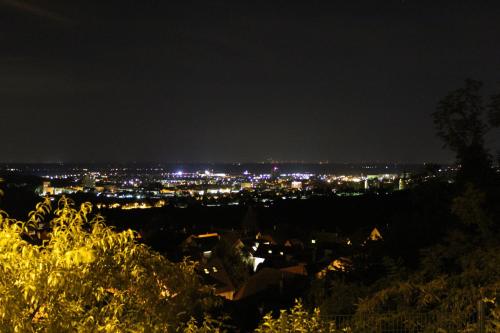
(297, 319)
(75, 274)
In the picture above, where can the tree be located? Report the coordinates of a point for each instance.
(459, 123)
(494, 324)
(78, 275)
(494, 110)
(454, 275)
(469, 208)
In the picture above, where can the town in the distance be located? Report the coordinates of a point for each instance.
(154, 186)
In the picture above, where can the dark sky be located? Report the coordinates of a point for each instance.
(344, 81)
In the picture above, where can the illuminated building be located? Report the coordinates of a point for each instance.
(47, 189)
(402, 184)
(88, 182)
(246, 185)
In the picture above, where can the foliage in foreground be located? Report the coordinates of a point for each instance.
(81, 276)
(297, 319)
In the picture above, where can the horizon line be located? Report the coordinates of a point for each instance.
(226, 162)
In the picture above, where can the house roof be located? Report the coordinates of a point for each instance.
(262, 280)
(204, 242)
(214, 273)
(232, 238)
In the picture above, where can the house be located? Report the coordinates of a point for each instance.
(266, 238)
(268, 283)
(212, 272)
(299, 269)
(342, 264)
(294, 243)
(233, 239)
(375, 235)
(364, 235)
(200, 246)
(259, 282)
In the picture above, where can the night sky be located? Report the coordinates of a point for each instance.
(224, 81)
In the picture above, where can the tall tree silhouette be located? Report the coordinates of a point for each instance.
(459, 121)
